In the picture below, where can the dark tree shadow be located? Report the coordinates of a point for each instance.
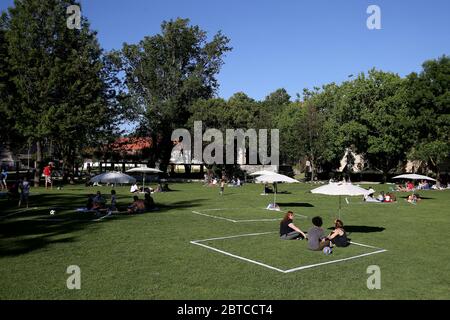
(361, 229)
(423, 198)
(23, 231)
(296, 204)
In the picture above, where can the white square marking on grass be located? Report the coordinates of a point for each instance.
(239, 220)
(198, 243)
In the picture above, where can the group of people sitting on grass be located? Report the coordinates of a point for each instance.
(141, 206)
(235, 182)
(409, 186)
(315, 235)
(160, 188)
(98, 203)
(382, 197)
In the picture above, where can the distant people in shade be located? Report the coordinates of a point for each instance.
(3, 179)
(113, 205)
(134, 188)
(48, 170)
(149, 202)
(138, 206)
(24, 187)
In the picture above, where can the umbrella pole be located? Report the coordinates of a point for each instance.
(339, 211)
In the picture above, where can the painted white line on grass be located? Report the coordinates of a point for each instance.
(101, 218)
(258, 220)
(333, 261)
(19, 211)
(197, 242)
(364, 245)
(51, 219)
(238, 221)
(223, 209)
(236, 236)
(237, 257)
(215, 217)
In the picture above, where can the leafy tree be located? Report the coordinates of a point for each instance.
(166, 73)
(371, 117)
(304, 133)
(7, 132)
(429, 102)
(60, 90)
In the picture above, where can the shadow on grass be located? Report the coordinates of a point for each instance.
(23, 231)
(423, 198)
(295, 204)
(361, 229)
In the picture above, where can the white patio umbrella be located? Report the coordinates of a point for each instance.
(413, 176)
(275, 178)
(341, 189)
(262, 173)
(113, 177)
(144, 170)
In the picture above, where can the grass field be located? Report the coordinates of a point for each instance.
(201, 245)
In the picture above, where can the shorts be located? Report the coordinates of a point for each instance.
(48, 179)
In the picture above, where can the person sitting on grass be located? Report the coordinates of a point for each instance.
(138, 206)
(113, 206)
(134, 188)
(288, 230)
(316, 240)
(389, 197)
(338, 237)
(149, 202)
(267, 189)
(99, 202)
(409, 186)
(413, 198)
(13, 191)
(381, 197)
(90, 202)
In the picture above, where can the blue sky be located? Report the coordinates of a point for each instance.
(293, 44)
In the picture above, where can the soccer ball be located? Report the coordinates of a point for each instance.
(52, 212)
(327, 250)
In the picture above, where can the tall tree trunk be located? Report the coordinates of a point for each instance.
(313, 169)
(37, 166)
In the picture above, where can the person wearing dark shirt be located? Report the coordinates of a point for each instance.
(316, 240)
(288, 230)
(149, 203)
(90, 202)
(24, 187)
(338, 237)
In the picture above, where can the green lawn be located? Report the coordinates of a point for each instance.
(150, 256)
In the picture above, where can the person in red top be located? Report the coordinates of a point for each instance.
(48, 175)
(410, 186)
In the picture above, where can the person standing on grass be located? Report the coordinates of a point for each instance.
(113, 206)
(222, 186)
(4, 176)
(48, 175)
(288, 230)
(24, 187)
(316, 240)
